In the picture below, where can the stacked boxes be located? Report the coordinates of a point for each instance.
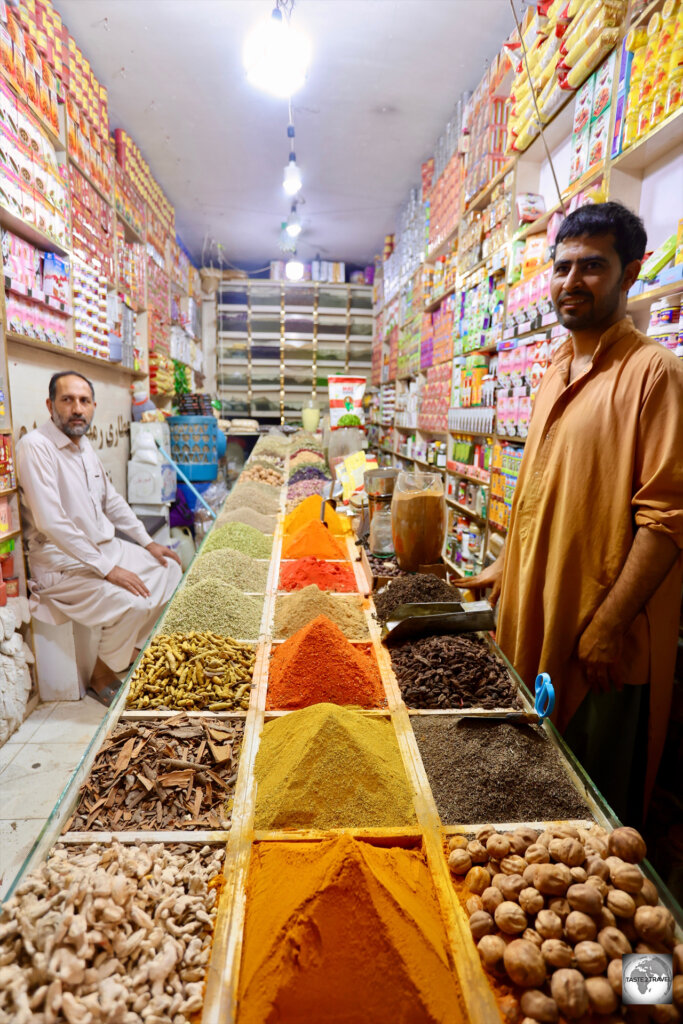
(37, 301)
(590, 136)
(92, 225)
(130, 262)
(433, 412)
(442, 324)
(488, 118)
(24, 62)
(136, 167)
(159, 305)
(445, 202)
(129, 204)
(91, 333)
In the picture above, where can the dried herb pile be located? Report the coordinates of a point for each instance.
(415, 588)
(230, 566)
(441, 672)
(191, 671)
(214, 607)
(482, 772)
(176, 774)
(240, 537)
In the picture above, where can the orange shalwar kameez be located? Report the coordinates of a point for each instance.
(604, 457)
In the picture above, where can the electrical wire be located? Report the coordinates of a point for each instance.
(538, 113)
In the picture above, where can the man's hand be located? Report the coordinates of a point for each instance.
(598, 651)
(489, 577)
(161, 553)
(128, 580)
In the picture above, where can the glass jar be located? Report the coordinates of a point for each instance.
(344, 441)
(418, 519)
(381, 538)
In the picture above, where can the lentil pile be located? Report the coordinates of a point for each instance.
(138, 951)
(326, 575)
(314, 540)
(482, 771)
(415, 588)
(441, 672)
(193, 671)
(296, 610)
(262, 523)
(174, 774)
(240, 537)
(330, 767)
(360, 906)
(230, 566)
(214, 607)
(319, 665)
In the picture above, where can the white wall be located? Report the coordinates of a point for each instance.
(29, 374)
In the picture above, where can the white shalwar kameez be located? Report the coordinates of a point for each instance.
(70, 512)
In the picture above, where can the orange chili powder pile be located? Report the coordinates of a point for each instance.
(313, 540)
(336, 576)
(319, 665)
(342, 930)
(308, 511)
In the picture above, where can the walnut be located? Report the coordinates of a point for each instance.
(459, 861)
(678, 991)
(491, 950)
(552, 879)
(510, 918)
(596, 847)
(548, 924)
(567, 851)
(626, 876)
(491, 898)
(530, 900)
(599, 883)
(484, 833)
(628, 844)
(477, 851)
(597, 866)
(614, 942)
(481, 924)
(557, 953)
(528, 874)
(498, 846)
(601, 995)
(524, 963)
(539, 1006)
(655, 925)
(584, 897)
(457, 843)
(513, 865)
(621, 903)
(559, 906)
(590, 957)
(605, 919)
(580, 927)
(678, 958)
(568, 989)
(473, 904)
(528, 835)
(537, 854)
(649, 893)
(579, 874)
(477, 879)
(532, 936)
(517, 843)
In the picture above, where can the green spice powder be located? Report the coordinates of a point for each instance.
(214, 607)
(240, 537)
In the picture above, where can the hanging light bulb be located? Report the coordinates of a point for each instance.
(293, 223)
(276, 56)
(291, 182)
(294, 269)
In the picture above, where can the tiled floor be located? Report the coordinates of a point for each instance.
(35, 765)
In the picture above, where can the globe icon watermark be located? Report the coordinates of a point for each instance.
(646, 979)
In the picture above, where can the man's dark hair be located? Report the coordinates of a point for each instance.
(52, 390)
(630, 237)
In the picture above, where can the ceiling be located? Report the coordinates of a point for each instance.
(384, 78)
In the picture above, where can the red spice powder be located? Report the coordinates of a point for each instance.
(326, 575)
(318, 665)
(313, 539)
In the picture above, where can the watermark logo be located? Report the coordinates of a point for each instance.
(646, 978)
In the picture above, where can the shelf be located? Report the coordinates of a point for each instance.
(108, 199)
(434, 303)
(468, 477)
(642, 154)
(129, 231)
(56, 140)
(426, 465)
(30, 233)
(10, 534)
(481, 199)
(38, 296)
(465, 511)
(540, 224)
(645, 299)
(69, 353)
(445, 246)
(3, 494)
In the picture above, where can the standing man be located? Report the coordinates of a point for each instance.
(79, 569)
(590, 577)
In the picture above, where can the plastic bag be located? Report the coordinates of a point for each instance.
(346, 399)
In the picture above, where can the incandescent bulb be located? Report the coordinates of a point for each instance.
(291, 182)
(294, 270)
(276, 56)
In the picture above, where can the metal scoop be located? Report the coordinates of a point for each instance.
(412, 620)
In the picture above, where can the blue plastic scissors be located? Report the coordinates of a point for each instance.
(544, 701)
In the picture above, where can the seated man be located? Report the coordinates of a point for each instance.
(79, 569)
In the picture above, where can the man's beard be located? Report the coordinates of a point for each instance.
(70, 427)
(593, 315)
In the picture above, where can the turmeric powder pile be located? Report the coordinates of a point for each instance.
(193, 670)
(341, 930)
(308, 511)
